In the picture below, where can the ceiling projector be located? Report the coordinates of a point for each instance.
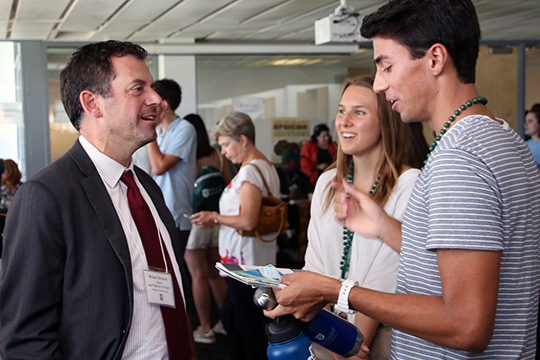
(342, 26)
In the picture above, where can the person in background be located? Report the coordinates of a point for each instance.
(11, 182)
(469, 270)
(173, 157)
(372, 157)
(532, 129)
(294, 184)
(81, 235)
(239, 209)
(317, 153)
(295, 188)
(202, 246)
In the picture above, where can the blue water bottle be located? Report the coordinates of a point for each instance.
(286, 341)
(326, 328)
(334, 333)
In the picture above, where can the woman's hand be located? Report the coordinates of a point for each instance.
(204, 219)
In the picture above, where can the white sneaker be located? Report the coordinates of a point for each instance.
(203, 338)
(219, 329)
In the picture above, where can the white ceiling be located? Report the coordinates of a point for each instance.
(211, 21)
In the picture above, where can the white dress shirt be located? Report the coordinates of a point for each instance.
(146, 339)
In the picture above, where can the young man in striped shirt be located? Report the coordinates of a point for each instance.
(469, 272)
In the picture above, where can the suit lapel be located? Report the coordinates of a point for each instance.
(104, 209)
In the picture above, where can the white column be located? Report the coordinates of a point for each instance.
(35, 106)
(182, 69)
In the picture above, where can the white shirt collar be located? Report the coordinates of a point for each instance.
(109, 169)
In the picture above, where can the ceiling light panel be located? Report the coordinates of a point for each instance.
(509, 19)
(135, 16)
(265, 12)
(5, 9)
(88, 15)
(186, 16)
(34, 20)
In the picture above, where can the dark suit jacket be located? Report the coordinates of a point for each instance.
(67, 289)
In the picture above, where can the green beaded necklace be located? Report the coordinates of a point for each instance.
(347, 234)
(451, 119)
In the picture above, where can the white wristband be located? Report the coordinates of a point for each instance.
(343, 299)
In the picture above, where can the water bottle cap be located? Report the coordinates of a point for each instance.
(264, 298)
(284, 329)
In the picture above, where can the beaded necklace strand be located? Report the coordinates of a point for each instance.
(347, 234)
(451, 119)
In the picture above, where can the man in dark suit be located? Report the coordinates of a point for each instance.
(74, 265)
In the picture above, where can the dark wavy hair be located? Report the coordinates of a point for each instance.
(90, 68)
(203, 141)
(536, 114)
(318, 129)
(170, 91)
(13, 173)
(418, 24)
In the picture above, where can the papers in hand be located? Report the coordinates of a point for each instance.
(256, 276)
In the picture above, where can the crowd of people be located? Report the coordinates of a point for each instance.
(432, 252)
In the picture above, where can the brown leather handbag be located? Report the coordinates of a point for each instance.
(273, 215)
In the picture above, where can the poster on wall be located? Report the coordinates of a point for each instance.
(288, 133)
(252, 106)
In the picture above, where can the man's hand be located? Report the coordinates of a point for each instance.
(360, 214)
(305, 295)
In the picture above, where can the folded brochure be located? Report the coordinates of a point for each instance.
(268, 276)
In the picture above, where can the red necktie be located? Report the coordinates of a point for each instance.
(174, 319)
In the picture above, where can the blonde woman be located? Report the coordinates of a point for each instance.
(372, 155)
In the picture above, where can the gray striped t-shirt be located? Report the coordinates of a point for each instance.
(480, 190)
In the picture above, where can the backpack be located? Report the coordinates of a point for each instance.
(207, 189)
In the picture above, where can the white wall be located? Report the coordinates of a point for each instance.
(532, 85)
(215, 84)
(182, 69)
(286, 105)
